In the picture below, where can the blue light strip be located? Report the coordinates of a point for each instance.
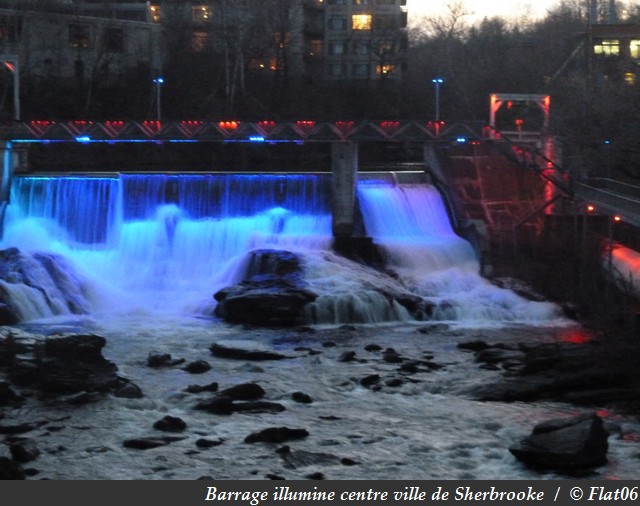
(89, 140)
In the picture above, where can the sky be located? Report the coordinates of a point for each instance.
(482, 8)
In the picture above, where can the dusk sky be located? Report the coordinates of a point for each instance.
(482, 8)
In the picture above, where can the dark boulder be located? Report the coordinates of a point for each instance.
(272, 293)
(163, 360)
(10, 470)
(276, 435)
(146, 443)
(220, 351)
(170, 424)
(197, 367)
(64, 364)
(243, 392)
(565, 444)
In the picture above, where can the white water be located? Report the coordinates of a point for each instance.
(147, 266)
(167, 243)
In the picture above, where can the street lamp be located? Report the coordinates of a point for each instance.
(437, 82)
(159, 82)
(12, 64)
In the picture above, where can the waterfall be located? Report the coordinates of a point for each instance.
(165, 241)
(410, 223)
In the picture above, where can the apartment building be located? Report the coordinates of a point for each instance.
(68, 40)
(614, 52)
(355, 39)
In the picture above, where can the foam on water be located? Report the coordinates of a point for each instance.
(168, 242)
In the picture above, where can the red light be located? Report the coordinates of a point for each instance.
(617, 219)
(229, 125)
(591, 208)
(344, 126)
(306, 126)
(10, 66)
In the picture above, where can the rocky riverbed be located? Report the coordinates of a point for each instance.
(185, 398)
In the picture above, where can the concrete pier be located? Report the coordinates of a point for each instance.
(344, 175)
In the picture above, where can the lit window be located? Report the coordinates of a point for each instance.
(114, 40)
(79, 36)
(385, 69)
(361, 22)
(200, 13)
(154, 10)
(630, 78)
(607, 47)
(634, 49)
(361, 2)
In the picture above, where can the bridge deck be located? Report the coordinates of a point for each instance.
(613, 197)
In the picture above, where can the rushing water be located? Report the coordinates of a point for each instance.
(146, 254)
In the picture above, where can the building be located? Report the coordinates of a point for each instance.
(64, 40)
(355, 39)
(614, 52)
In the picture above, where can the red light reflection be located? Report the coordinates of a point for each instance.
(576, 336)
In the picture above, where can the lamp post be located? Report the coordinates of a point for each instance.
(437, 82)
(12, 64)
(159, 82)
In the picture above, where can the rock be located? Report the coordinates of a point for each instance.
(149, 442)
(8, 395)
(373, 347)
(208, 443)
(300, 458)
(243, 392)
(257, 407)
(391, 356)
(163, 360)
(436, 327)
(127, 390)
(272, 293)
(565, 444)
(347, 356)
(197, 367)
(473, 345)
(46, 273)
(64, 364)
(217, 406)
(217, 350)
(372, 379)
(301, 398)
(10, 470)
(24, 451)
(196, 389)
(410, 367)
(170, 424)
(20, 428)
(276, 435)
